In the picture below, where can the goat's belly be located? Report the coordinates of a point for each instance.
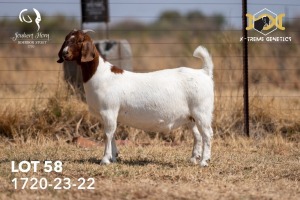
(153, 121)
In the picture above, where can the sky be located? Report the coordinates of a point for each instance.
(148, 10)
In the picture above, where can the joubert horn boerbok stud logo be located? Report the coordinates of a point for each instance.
(265, 21)
(29, 38)
(38, 18)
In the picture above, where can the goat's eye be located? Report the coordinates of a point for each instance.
(72, 40)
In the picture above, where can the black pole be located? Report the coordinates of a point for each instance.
(106, 30)
(245, 70)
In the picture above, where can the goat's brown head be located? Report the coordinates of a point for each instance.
(77, 46)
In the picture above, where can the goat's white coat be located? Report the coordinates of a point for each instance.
(156, 101)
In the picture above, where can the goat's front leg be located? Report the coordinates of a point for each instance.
(110, 125)
(114, 150)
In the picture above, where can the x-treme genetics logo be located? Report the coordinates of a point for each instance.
(31, 39)
(265, 22)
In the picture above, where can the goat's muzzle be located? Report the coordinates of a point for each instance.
(60, 60)
(61, 54)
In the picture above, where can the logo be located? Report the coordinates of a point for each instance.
(265, 21)
(37, 19)
(31, 39)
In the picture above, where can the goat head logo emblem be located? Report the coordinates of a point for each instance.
(29, 20)
(265, 21)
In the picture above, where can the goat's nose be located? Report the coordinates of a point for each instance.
(65, 51)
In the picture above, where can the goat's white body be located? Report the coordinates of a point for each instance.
(155, 101)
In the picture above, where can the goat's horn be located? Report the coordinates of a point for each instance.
(88, 30)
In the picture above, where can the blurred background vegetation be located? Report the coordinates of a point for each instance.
(31, 80)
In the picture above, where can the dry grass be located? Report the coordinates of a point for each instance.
(58, 116)
(152, 165)
(240, 169)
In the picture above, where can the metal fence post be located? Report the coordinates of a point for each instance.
(245, 70)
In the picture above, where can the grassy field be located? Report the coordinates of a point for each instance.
(152, 165)
(240, 169)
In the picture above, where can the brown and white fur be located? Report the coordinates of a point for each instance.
(156, 101)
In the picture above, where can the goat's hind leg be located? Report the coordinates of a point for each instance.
(197, 148)
(203, 122)
(207, 133)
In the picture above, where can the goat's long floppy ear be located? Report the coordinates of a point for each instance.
(60, 60)
(87, 51)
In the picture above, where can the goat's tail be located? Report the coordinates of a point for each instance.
(201, 52)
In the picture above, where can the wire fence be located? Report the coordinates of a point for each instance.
(274, 68)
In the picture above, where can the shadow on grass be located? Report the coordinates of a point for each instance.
(90, 160)
(144, 162)
(137, 162)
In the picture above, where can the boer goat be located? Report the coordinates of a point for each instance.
(158, 101)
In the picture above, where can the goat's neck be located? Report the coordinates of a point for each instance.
(88, 69)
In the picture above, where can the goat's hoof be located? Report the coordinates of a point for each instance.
(113, 160)
(203, 163)
(193, 160)
(105, 161)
